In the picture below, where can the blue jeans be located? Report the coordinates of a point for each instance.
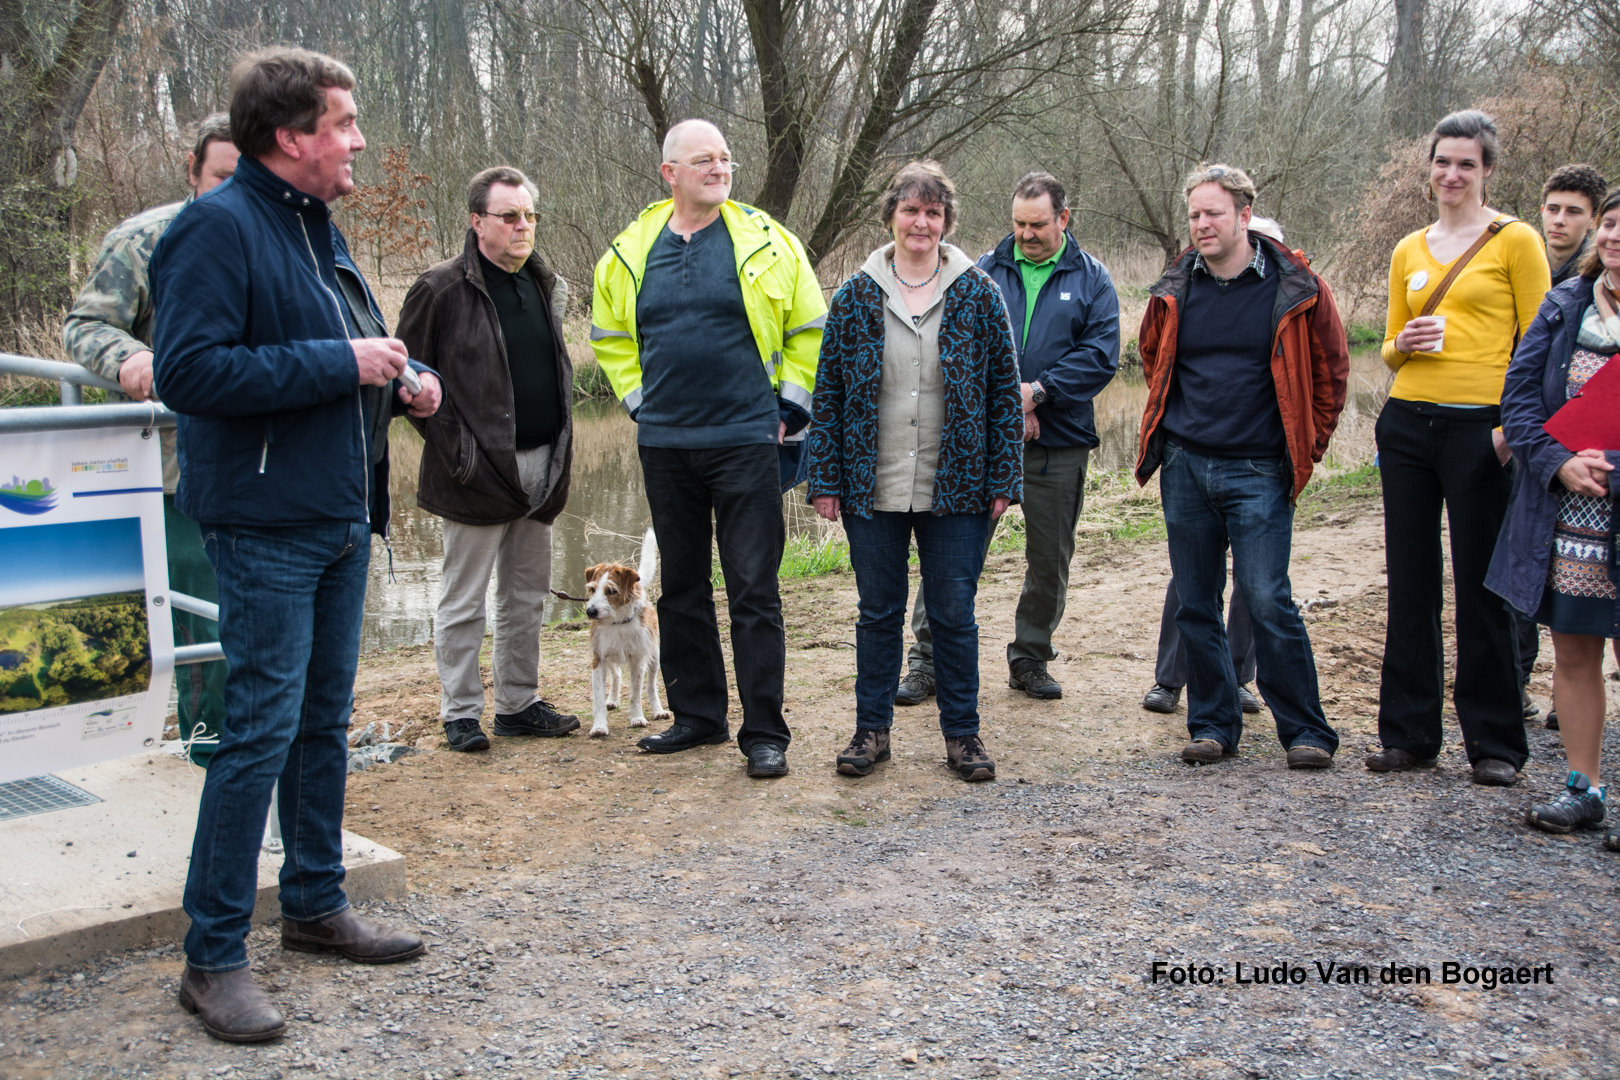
(1210, 502)
(290, 605)
(951, 550)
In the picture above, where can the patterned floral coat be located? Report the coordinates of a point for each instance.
(981, 454)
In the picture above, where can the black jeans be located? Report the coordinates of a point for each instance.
(1429, 455)
(740, 486)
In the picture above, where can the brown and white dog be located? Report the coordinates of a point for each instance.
(624, 637)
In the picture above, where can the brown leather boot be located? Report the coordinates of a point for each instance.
(230, 1005)
(347, 934)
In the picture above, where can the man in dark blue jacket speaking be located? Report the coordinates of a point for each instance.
(1065, 320)
(270, 346)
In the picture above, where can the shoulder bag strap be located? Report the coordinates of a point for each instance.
(1491, 230)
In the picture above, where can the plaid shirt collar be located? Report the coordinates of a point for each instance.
(1257, 264)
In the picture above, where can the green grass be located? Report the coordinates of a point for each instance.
(811, 556)
(1361, 335)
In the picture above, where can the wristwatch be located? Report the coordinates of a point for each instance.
(1037, 393)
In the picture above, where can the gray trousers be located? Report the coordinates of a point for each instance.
(1054, 492)
(519, 554)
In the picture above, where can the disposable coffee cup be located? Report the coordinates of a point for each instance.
(1440, 321)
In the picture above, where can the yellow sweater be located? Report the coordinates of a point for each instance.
(1487, 307)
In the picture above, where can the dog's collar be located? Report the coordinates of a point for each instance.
(627, 619)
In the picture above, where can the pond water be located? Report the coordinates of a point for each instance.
(11, 659)
(607, 506)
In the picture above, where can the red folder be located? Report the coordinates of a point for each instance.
(1591, 419)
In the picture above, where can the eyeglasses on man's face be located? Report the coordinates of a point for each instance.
(510, 218)
(709, 165)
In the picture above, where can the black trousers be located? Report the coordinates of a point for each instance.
(739, 486)
(1428, 456)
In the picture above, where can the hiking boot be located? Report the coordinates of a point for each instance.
(1576, 807)
(1031, 677)
(969, 758)
(465, 734)
(1202, 752)
(541, 719)
(1529, 708)
(1161, 698)
(865, 750)
(1247, 701)
(915, 688)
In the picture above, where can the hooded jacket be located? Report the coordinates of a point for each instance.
(469, 466)
(1310, 359)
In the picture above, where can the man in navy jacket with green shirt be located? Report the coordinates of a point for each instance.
(1065, 319)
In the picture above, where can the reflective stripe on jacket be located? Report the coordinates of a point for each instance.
(786, 310)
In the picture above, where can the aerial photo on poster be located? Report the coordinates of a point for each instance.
(73, 622)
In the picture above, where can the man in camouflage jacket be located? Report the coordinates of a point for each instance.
(109, 332)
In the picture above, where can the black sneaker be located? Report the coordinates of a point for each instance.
(538, 719)
(914, 689)
(1576, 807)
(465, 734)
(1031, 677)
(864, 751)
(1552, 719)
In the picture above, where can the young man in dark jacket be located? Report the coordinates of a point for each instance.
(498, 453)
(270, 347)
(1065, 320)
(1246, 363)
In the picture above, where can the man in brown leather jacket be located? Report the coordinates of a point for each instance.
(498, 453)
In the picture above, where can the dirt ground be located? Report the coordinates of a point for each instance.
(456, 816)
(596, 912)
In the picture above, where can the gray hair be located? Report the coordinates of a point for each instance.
(1268, 227)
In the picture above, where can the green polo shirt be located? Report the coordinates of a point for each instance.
(1035, 275)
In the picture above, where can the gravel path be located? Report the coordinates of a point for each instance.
(1006, 929)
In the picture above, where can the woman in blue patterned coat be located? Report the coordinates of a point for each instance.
(918, 431)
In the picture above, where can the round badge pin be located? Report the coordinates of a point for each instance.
(1419, 279)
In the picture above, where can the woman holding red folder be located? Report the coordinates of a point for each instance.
(1556, 559)
(1458, 292)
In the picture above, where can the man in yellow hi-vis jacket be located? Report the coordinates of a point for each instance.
(706, 318)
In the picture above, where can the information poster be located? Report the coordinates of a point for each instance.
(86, 639)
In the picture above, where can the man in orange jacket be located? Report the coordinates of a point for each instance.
(1246, 363)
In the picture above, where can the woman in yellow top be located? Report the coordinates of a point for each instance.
(1438, 443)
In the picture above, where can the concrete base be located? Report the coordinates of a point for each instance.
(95, 879)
